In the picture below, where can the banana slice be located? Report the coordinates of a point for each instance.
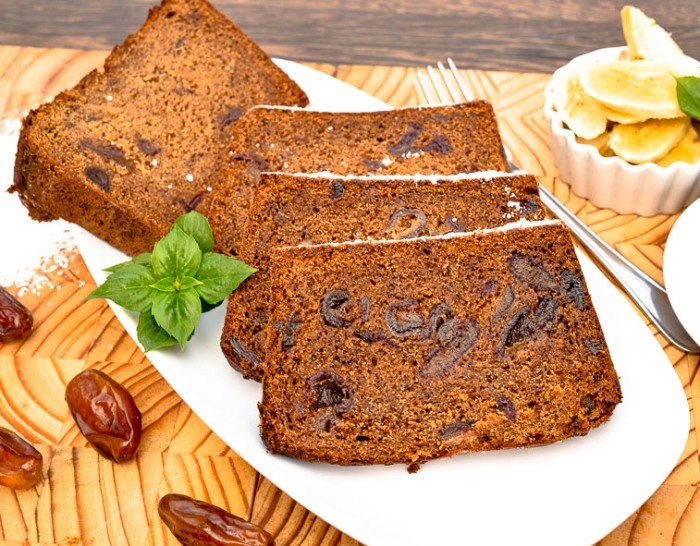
(647, 141)
(582, 114)
(645, 38)
(648, 40)
(642, 89)
(687, 150)
(622, 117)
(601, 143)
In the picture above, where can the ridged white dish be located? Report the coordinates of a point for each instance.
(610, 182)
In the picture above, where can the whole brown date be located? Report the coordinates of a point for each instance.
(105, 413)
(198, 523)
(15, 319)
(20, 462)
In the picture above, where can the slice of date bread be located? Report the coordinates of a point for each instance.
(291, 209)
(406, 351)
(136, 144)
(440, 139)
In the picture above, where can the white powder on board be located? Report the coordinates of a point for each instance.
(29, 251)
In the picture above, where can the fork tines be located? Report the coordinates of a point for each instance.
(442, 86)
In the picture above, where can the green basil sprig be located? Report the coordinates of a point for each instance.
(171, 286)
(688, 94)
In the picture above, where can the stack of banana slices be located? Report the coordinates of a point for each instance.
(628, 106)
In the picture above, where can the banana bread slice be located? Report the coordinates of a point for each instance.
(291, 209)
(135, 145)
(405, 351)
(450, 139)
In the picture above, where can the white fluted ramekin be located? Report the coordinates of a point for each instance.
(610, 182)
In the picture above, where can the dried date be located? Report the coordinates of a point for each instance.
(458, 432)
(98, 177)
(545, 313)
(519, 328)
(441, 323)
(148, 147)
(193, 203)
(110, 152)
(528, 270)
(289, 335)
(573, 288)
(334, 308)
(593, 345)
(443, 359)
(403, 319)
(16, 321)
(240, 353)
(405, 145)
(406, 224)
(198, 523)
(232, 114)
(504, 303)
(105, 413)
(439, 144)
(20, 462)
(330, 391)
(338, 189)
(506, 406)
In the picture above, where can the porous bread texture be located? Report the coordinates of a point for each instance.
(290, 209)
(135, 145)
(309, 208)
(406, 351)
(438, 139)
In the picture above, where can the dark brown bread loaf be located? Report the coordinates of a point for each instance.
(405, 351)
(135, 145)
(291, 209)
(441, 139)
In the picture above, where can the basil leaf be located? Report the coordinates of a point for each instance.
(177, 313)
(166, 284)
(187, 282)
(197, 227)
(688, 94)
(171, 286)
(151, 335)
(141, 259)
(129, 286)
(176, 255)
(220, 275)
(206, 306)
(117, 267)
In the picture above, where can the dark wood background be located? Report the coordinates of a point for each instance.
(522, 35)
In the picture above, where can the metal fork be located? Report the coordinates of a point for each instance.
(442, 86)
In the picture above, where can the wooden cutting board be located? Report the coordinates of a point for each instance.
(85, 499)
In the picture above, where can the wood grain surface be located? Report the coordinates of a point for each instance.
(527, 35)
(85, 499)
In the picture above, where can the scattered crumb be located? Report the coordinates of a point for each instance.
(413, 468)
(50, 271)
